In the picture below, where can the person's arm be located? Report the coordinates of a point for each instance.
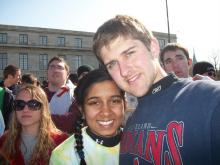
(7, 107)
(2, 124)
(66, 122)
(201, 77)
(215, 135)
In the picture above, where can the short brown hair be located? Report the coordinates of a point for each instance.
(173, 47)
(60, 59)
(121, 25)
(10, 70)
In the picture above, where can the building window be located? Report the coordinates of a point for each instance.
(76, 62)
(77, 42)
(43, 40)
(23, 39)
(162, 43)
(23, 61)
(3, 60)
(43, 61)
(60, 41)
(3, 38)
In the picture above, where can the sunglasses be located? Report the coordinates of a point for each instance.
(211, 74)
(32, 105)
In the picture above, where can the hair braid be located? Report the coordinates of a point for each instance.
(79, 139)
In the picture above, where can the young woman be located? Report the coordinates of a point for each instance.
(102, 104)
(32, 135)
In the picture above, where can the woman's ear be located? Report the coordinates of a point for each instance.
(81, 111)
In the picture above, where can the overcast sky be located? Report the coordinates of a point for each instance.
(195, 22)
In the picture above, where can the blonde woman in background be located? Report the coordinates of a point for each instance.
(32, 135)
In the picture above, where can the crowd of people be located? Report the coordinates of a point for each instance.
(86, 118)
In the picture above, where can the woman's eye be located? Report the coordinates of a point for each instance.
(93, 103)
(116, 101)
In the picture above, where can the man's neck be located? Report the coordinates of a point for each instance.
(53, 87)
(7, 83)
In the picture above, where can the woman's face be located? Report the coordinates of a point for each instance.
(104, 108)
(27, 115)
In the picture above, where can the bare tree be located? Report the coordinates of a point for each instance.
(215, 60)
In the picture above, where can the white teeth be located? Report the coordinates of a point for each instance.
(105, 123)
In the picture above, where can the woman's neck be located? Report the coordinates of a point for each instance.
(31, 130)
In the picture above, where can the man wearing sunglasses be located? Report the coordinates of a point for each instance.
(204, 68)
(60, 93)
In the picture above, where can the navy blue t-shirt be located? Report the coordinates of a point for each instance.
(176, 122)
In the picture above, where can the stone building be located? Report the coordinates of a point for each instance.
(30, 48)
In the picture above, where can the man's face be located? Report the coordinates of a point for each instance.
(176, 62)
(17, 77)
(57, 74)
(132, 66)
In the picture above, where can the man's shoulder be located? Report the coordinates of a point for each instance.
(200, 88)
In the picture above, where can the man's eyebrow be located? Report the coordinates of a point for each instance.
(180, 55)
(122, 53)
(127, 50)
(165, 59)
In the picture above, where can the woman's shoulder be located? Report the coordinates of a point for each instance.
(65, 145)
(3, 139)
(58, 137)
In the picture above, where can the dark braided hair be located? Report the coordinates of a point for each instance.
(81, 91)
(78, 137)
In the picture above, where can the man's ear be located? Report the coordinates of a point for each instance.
(190, 62)
(10, 76)
(155, 48)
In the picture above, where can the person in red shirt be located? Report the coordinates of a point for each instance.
(32, 135)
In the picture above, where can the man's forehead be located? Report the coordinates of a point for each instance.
(173, 53)
(57, 62)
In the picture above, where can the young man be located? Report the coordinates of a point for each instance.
(60, 93)
(12, 77)
(175, 59)
(172, 123)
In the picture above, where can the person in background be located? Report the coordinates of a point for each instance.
(175, 59)
(176, 120)
(44, 84)
(2, 124)
(204, 68)
(32, 135)
(102, 104)
(12, 77)
(29, 78)
(73, 78)
(6, 104)
(83, 70)
(60, 94)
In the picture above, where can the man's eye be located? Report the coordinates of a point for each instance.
(130, 53)
(167, 61)
(180, 58)
(111, 65)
